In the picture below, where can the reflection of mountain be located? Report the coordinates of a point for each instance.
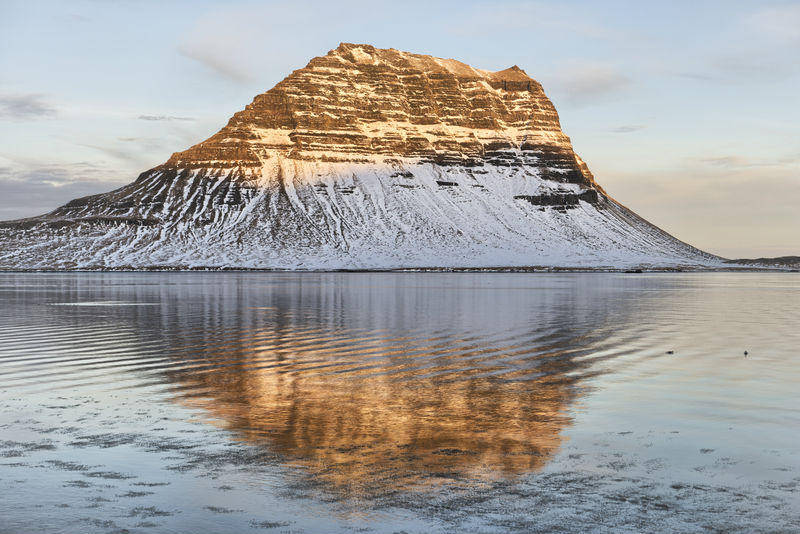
(397, 428)
(374, 382)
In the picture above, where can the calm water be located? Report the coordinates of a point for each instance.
(289, 403)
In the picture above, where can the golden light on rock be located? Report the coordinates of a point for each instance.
(392, 418)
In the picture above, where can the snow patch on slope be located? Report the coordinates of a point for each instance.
(318, 215)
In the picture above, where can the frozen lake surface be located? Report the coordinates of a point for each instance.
(390, 402)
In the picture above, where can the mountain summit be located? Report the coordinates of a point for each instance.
(365, 158)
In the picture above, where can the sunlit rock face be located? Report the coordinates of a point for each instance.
(365, 158)
(362, 104)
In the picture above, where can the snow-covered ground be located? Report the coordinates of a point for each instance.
(293, 214)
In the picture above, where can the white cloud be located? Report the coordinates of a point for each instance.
(25, 107)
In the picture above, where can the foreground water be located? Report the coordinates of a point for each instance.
(256, 402)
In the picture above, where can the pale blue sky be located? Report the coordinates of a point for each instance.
(687, 112)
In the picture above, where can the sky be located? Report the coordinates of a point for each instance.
(687, 112)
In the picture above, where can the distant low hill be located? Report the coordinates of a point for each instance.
(787, 261)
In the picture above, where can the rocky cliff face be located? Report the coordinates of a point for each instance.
(365, 158)
(361, 104)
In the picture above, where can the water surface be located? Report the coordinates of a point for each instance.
(419, 402)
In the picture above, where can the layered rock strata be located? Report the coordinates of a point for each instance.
(365, 158)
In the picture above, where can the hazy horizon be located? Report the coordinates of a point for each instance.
(686, 113)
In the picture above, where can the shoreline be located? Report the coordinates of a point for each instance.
(531, 269)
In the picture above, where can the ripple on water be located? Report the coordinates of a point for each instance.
(496, 402)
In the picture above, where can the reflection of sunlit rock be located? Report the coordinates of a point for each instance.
(374, 382)
(359, 422)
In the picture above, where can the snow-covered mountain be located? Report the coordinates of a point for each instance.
(365, 158)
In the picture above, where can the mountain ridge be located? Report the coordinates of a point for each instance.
(364, 158)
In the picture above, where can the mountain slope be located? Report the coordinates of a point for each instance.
(365, 158)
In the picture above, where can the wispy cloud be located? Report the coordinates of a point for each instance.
(124, 155)
(25, 107)
(754, 200)
(164, 118)
(744, 67)
(766, 45)
(240, 42)
(58, 174)
(585, 83)
(778, 22)
(31, 199)
(753, 65)
(529, 15)
(29, 190)
(214, 57)
(628, 128)
(696, 76)
(728, 162)
(741, 162)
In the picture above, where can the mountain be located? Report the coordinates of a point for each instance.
(792, 262)
(365, 158)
